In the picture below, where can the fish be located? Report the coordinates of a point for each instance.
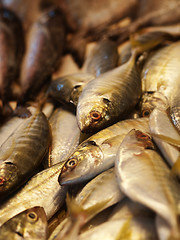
(144, 177)
(67, 89)
(160, 124)
(65, 135)
(97, 153)
(43, 52)
(102, 58)
(161, 74)
(29, 224)
(11, 52)
(22, 152)
(107, 98)
(97, 195)
(41, 190)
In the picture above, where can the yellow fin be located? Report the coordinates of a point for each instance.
(172, 141)
(78, 212)
(125, 232)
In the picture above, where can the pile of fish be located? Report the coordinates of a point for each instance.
(90, 120)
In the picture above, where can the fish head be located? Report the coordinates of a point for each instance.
(29, 224)
(94, 115)
(8, 176)
(151, 100)
(82, 165)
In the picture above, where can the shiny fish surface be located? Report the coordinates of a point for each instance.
(44, 48)
(22, 152)
(109, 97)
(42, 190)
(161, 124)
(97, 153)
(102, 58)
(29, 224)
(161, 73)
(145, 178)
(65, 135)
(67, 89)
(11, 50)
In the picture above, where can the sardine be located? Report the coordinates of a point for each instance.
(44, 49)
(29, 224)
(11, 51)
(145, 178)
(65, 135)
(102, 58)
(161, 73)
(41, 190)
(22, 152)
(98, 152)
(108, 97)
(67, 89)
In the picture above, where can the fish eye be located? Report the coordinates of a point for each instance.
(32, 216)
(2, 181)
(146, 113)
(95, 115)
(142, 136)
(92, 143)
(72, 163)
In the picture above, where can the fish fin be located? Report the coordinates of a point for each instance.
(78, 212)
(125, 232)
(176, 168)
(146, 41)
(172, 141)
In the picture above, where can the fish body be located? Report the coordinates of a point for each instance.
(161, 73)
(22, 152)
(41, 190)
(102, 58)
(29, 224)
(65, 135)
(109, 97)
(97, 153)
(11, 50)
(145, 178)
(44, 49)
(67, 89)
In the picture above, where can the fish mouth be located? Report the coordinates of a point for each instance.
(69, 180)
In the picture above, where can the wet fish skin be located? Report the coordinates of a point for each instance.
(22, 152)
(102, 58)
(137, 157)
(29, 224)
(11, 50)
(44, 49)
(97, 153)
(67, 89)
(65, 135)
(41, 190)
(105, 99)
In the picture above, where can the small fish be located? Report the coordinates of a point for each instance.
(67, 89)
(44, 49)
(11, 51)
(22, 152)
(145, 178)
(98, 152)
(29, 224)
(102, 58)
(41, 190)
(161, 74)
(65, 135)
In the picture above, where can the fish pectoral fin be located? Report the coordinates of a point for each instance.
(78, 212)
(172, 141)
(125, 232)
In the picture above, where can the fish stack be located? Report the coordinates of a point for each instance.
(90, 120)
